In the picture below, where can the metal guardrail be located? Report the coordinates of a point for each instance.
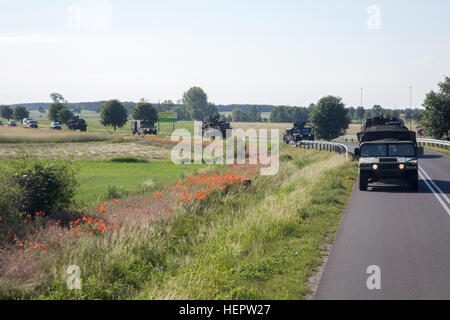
(347, 138)
(433, 142)
(324, 145)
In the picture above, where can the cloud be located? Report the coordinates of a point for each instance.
(25, 40)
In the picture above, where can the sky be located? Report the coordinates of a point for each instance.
(281, 52)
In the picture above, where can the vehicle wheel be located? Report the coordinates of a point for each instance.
(285, 140)
(413, 181)
(363, 180)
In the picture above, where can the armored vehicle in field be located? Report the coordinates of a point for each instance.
(218, 124)
(298, 133)
(143, 127)
(77, 124)
(387, 150)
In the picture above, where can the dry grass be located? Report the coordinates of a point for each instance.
(85, 150)
(26, 135)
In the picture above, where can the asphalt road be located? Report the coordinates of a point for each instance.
(405, 234)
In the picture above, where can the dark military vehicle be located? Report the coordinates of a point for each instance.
(143, 127)
(218, 124)
(77, 124)
(298, 133)
(387, 150)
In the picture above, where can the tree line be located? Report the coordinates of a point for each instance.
(329, 117)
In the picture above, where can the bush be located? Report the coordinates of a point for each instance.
(44, 186)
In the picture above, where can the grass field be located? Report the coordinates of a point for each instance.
(87, 150)
(262, 241)
(26, 135)
(118, 178)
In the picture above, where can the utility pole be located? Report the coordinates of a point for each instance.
(361, 97)
(410, 106)
(361, 104)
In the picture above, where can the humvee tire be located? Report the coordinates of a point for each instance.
(363, 180)
(413, 181)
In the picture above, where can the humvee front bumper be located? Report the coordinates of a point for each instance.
(379, 171)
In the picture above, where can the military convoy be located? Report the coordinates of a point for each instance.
(387, 150)
(216, 123)
(77, 124)
(298, 133)
(143, 127)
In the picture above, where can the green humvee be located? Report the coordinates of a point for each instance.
(387, 150)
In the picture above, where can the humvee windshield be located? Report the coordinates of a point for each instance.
(388, 150)
(306, 130)
(147, 125)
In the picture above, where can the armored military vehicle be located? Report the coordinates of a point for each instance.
(387, 150)
(143, 127)
(216, 123)
(298, 133)
(77, 124)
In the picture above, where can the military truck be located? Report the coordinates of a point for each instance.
(77, 124)
(387, 150)
(298, 133)
(143, 127)
(216, 123)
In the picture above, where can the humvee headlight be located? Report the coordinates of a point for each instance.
(401, 166)
(375, 166)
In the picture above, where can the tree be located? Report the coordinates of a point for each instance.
(254, 115)
(182, 114)
(20, 113)
(436, 116)
(238, 115)
(113, 114)
(360, 113)
(377, 111)
(145, 111)
(352, 113)
(298, 114)
(59, 103)
(283, 114)
(77, 109)
(418, 115)
(58, 98)
(393, 113)
(64, 115)
(54, 109)
(409, 116)
(329, 118)
(211, 112)
(6, 112)
(195, 101)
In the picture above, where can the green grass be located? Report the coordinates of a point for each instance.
(261, 244)
(442, 150)
(95, 127)
(124, 176)
(258, 242)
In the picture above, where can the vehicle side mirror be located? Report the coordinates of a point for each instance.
(357, 152)
(420, 151)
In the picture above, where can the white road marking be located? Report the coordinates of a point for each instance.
(435, 193)
(434, 185)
